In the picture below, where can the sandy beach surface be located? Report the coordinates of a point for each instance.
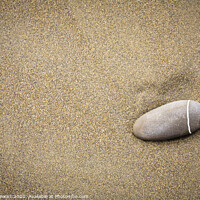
(75, 75)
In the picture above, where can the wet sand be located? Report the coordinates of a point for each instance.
(75, 77)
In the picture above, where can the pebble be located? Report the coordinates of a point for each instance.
(169, 121)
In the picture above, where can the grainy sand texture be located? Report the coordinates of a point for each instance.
(75, 75)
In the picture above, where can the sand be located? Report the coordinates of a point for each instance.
(75, 75)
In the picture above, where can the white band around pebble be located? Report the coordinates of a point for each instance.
(188, 117)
